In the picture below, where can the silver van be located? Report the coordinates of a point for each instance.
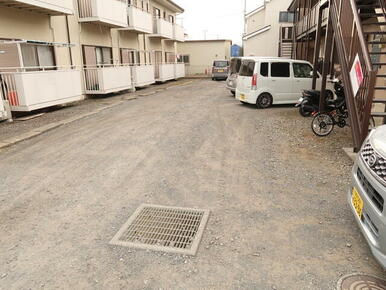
(234, 68)
(220, 70)
(367, 192)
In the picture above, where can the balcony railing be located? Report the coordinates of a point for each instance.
(309, 22)
(139, 20)
(51, 7)
(107, 79)
(143, 75)
(179, 70)
(107, 12)
(178, 32)
(32, 88)
(162, 29)
(164, 72)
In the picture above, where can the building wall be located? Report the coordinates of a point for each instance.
(265, 43)
(203, 53)
(28, 25)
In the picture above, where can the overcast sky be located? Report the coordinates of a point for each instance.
(220, 18)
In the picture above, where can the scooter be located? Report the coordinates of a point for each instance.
(309, 102)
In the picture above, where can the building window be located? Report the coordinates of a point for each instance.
(157, 12)
(171, 19)
(286, 17)
(130, 56)
(38, 56)
(280, 69)
(185, 58)
(170, 57)
(97, 55)
(164, 15)
(286, 33)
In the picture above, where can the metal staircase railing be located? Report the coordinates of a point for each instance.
(350, 43)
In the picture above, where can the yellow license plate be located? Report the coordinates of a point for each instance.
(242, 97)
(220, 70)
(357, 202)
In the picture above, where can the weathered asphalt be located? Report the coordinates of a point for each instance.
(277, 195)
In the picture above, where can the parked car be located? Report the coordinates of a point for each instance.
(234, 69)
(264, 81)
(367, 192)
(220, 69)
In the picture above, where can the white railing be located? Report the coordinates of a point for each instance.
(162, 28)
(178, 31)
(31, 88)
(179, 70)
(143, 74)
(139, 20)
(109, 12)
(107, 78)
(53, 6)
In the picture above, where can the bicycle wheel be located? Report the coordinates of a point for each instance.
(322, 125)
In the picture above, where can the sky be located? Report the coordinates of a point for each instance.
(221, 19)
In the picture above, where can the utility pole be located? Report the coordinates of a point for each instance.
(205, 31)
(244, 18)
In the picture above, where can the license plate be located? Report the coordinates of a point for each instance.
(357, 202)
(242, 97)
(220, 70)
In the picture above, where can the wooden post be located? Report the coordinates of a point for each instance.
(326, 62)
(317, 46)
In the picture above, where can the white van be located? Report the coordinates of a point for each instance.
(264, 81)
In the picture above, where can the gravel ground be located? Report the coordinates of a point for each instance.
(59, 113)
(277, 195)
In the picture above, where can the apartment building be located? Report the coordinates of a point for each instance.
(269, 30)
(347, 39)
(58, 51)
(198, 55)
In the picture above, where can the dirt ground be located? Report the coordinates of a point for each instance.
(277, 195)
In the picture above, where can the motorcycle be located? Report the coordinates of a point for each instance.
(309, 102)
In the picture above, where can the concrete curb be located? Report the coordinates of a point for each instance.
(43, 129)
(350, 153)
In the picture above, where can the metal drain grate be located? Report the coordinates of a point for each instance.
(361, 282)
(161, 228)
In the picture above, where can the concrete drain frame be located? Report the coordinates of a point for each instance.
(361, 281)
(163, 228)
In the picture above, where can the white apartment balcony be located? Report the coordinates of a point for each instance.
(111, 13)
(178, 32)
(162, 29)
(164, 72)
(143, 75)
(139, 20)
(179, 70)
(108, 79)
(51, 7)
(36, 89)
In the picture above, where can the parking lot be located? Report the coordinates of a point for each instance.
(277, 195)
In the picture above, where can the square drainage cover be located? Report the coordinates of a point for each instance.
(160, 228)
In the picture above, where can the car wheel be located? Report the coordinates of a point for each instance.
(264, 101)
